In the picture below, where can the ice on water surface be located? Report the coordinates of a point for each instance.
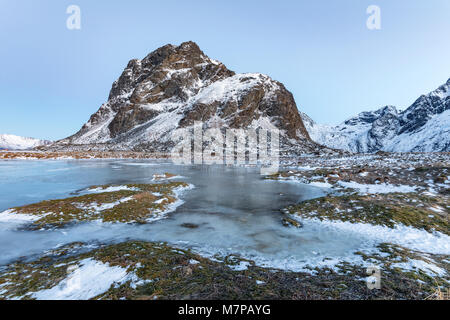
(234, 211)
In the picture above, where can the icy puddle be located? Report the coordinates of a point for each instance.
(229, 211)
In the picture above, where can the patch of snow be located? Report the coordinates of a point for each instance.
(232, 88)
(364, 174)
(158, 177)
(243, 265)
(87, 281)
(172, 206)
(96, 207)
(414, 265)
(112, 189)
(433, 136)
(377, 188)
(12, 216)
(436, 209)
(320, 184)
(160, 200)
(408, 237)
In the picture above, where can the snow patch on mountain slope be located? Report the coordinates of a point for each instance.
(12, 142)
(352, 138)
(433, 136)
(232, 88)
(347, 137)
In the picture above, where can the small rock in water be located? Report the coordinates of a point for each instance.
(190, 225)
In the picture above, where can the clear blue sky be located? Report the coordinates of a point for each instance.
(52, 79)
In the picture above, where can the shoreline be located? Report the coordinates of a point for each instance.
(114, 155)
(79, 155)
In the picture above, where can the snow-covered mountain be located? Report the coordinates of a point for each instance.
(12, 142)
(423, 127)
(176, 85)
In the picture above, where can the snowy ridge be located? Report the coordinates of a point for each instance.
(12, 142)
(423, 127)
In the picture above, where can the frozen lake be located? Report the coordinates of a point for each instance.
(236, 210)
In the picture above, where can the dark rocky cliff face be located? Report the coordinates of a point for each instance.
(173, 87)
(418, 114)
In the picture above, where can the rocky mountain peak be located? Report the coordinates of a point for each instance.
(164, 67)
(174, 86)
(424, 108)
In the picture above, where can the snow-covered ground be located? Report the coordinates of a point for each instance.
(377, 188)
(87, 280)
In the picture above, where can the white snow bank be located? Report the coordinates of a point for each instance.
(293, 179)
(243, 265)
(405, 236)
(12, 216)
(377, 188)
(96, 207)
(172, 206)
(414, 265)
(111, 189)
(88, 280)
(320, 184)
(159, 177)
(436, 209)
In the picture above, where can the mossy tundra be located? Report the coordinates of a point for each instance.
(411, 209)
(135, 203)
(165, 272)
(428, 208)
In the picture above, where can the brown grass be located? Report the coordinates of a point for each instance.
(439, 295)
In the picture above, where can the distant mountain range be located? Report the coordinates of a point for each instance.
(12, 142)
(423, 127)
